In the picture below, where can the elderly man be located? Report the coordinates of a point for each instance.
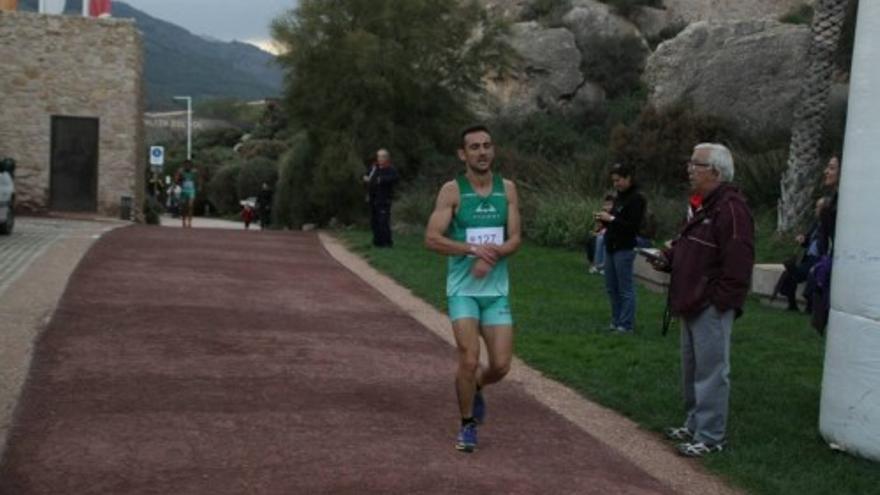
(711, 266)
(381, 180)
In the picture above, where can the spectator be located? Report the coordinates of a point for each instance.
(596, 243)
(264, 206)
(622, 224)
(711, 265)
(172, 200)
(247, 215)
(381, 180)
(797, 272)
(822, 269)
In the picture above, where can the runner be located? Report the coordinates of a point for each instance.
(188, 178)
(476, 223)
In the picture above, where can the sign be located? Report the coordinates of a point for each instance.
(157, 156)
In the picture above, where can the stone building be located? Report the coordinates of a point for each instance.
(71, 111)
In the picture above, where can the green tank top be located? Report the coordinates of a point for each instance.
(188, 184)
(478, 220)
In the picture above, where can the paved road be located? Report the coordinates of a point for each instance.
(218, 362)
(31, 238)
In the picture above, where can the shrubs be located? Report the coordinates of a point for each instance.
(222, 190)
(616, 64)
(560, 220)
(658, 143)
(415, 202)
(759, 174)
(550, 136)
(253, 174)
(267, 148)
(292, 198)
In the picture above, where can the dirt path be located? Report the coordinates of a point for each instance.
(220, 362)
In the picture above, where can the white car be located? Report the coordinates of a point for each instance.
(7, 195)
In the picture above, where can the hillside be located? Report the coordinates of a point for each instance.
(178, 62)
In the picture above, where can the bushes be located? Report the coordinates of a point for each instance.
(658, 143)
(759, 174)
(222, 191)
(253, 174)
(267, 148)
(550, 136)
(562, 220)
(416, 202)
(292, 198)
(224, 137)
(615, 63)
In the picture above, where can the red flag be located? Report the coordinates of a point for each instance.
(99, 8)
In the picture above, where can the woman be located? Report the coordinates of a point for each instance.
(622, 224)
(821, 282)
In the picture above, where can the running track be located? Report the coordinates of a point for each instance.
(231, 362)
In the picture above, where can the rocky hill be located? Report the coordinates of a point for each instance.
(730, 58)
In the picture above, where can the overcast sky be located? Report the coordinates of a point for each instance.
(243, 20)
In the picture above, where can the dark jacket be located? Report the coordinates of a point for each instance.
(628, 212)
(711, 260)
(381, 185)
(827, 226)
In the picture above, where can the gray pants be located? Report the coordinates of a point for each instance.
(705, 369)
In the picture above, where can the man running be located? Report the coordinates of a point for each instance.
(188, 179)
(476, 223)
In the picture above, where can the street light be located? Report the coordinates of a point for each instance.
(189, 122)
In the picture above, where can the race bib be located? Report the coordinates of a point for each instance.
(485, 235)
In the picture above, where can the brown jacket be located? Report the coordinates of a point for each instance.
(711, 260)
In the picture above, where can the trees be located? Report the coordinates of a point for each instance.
(809, 117)
(365, 74)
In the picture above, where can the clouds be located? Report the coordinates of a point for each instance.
(243, 20)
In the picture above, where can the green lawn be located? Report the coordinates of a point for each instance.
(561, 313)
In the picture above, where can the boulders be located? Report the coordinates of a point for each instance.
(590, 19)
(746, 72)
(728, 10)
(548, 76)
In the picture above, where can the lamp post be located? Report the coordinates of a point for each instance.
(188, 124)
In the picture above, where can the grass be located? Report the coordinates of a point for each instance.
(561, 313)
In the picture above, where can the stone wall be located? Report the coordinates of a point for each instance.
(76, 67)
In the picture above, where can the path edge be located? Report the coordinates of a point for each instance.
(624, 436)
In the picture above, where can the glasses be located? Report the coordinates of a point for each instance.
(692, 164)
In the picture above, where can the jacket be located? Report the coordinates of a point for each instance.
(629, 212)
(381, 187)
(711, 260)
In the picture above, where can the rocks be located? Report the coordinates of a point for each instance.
(548, 76)
(728, 10)
(746, 72)
(590, 19)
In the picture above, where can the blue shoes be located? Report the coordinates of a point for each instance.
(467, 438)
(479, 408)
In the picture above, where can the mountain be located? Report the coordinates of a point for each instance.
(178, 62)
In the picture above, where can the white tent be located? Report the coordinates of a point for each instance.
(850, 412)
